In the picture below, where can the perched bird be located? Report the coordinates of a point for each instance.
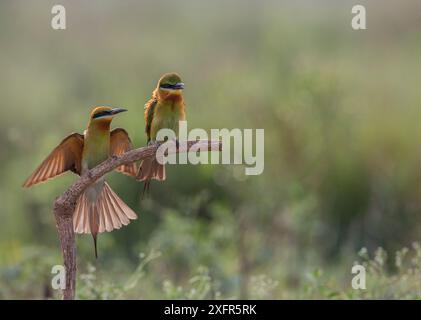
(164, 110)
(98, 209)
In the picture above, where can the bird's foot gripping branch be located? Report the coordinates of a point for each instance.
(65, 205)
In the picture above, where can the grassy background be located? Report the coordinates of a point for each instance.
(340, 109)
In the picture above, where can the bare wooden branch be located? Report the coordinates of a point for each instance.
(64, 206)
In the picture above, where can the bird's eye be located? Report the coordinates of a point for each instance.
(166, 86)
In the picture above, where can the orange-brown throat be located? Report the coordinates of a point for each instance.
(100, 124)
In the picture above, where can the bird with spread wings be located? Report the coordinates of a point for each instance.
(99, 208)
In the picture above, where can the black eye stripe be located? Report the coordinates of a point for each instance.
(176, 86)
(167, 86)
(101, 113)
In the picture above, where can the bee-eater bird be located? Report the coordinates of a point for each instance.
(98, 209)
(163, 111)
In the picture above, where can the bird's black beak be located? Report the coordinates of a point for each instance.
(117, 110)
(178, 86)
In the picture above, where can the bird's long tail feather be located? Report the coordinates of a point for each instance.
(109, 212)
(150, 169)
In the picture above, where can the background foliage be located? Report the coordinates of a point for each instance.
(340, 109)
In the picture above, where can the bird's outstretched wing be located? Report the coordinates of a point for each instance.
(66, 156)
(149, 112)
(120, 143)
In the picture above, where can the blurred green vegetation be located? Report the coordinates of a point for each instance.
(340, 109)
